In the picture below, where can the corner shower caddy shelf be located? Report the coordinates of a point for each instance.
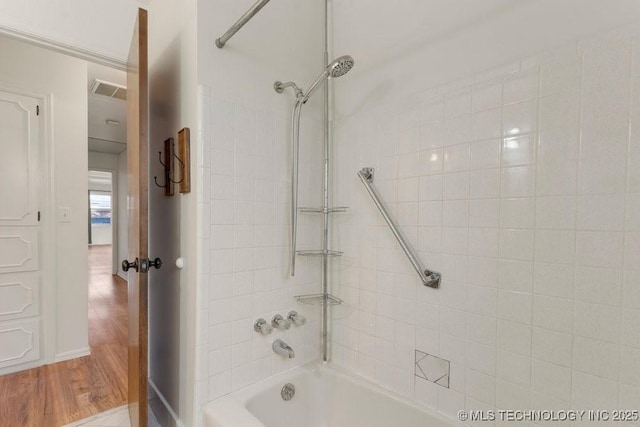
(319, 253)
(318, 299)
(337, 209)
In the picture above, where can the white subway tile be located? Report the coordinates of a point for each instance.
(510, 395)
(557, 213)
(552, 346)
(486, 124)
(484, 242)
(631, 289)
(518, 213)
(518, 181)
(483, 271)
(517, 244)
(515, 306)
(553, 313)
(455, 213)
(597, 321)
(482, 300)
(553, 279)
(519, 150)
(485, 154)
(480, 386)
(596, 357)
(601, 212)
(514, 337)
(550, 379)
(630, 360)
(599, 249)
(630, 327)
(590, 286)
(457, 158)
(521, 86)
(485, 184)
(558, 246)
(516, 276)
(514, 368)
(560, 76)
(431, 188)
(560, 111)
(482, 357)
(589, 391)
(520, 118)
(487, 95)
(484, 213)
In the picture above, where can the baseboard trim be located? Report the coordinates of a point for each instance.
(73, 354)
(161, 408)
(122, 276)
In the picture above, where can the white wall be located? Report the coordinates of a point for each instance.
(244, 172)
(520, 184)
(39, 71)
(102, 27)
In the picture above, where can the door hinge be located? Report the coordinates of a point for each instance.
(38, 216)
(37, 110)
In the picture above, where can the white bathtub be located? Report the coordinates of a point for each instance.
(325, 397)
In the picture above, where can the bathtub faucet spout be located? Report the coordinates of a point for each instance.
(283, 349)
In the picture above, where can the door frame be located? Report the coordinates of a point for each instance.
(47, 205)
(115, 225)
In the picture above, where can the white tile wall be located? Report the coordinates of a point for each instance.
(245, 139)
(522, 189)
(245, 267)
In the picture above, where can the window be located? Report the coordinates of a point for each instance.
(100, 205)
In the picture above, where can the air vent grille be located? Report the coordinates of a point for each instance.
(112, 90)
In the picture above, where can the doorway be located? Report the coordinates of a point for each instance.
(76, 356)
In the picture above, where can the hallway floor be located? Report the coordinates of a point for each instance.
(60, 393)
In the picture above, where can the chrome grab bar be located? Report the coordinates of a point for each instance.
(428, 277)
(220, 42)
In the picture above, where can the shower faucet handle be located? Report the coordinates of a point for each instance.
(296, 318)
(280, 322)
(262, 327)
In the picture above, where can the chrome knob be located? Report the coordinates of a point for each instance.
(280, 322)
(262, 327)
(296, 318)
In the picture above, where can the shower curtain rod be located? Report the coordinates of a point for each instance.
(429, 278)
(221, 41)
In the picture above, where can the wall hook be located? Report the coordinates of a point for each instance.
(173, 152)
(167, 166)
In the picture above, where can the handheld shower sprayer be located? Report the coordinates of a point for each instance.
(339, 67)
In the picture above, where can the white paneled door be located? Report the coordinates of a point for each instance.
(20, 322)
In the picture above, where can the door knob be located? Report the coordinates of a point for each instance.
(126, 265)
(157, 263)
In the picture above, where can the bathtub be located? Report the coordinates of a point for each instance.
(325, 396)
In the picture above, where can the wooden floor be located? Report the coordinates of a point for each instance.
(57, 394)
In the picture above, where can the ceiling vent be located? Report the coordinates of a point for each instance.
(112, 90)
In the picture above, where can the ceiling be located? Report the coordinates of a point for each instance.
(103, 137)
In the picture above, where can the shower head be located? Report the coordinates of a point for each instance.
(339, 67)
